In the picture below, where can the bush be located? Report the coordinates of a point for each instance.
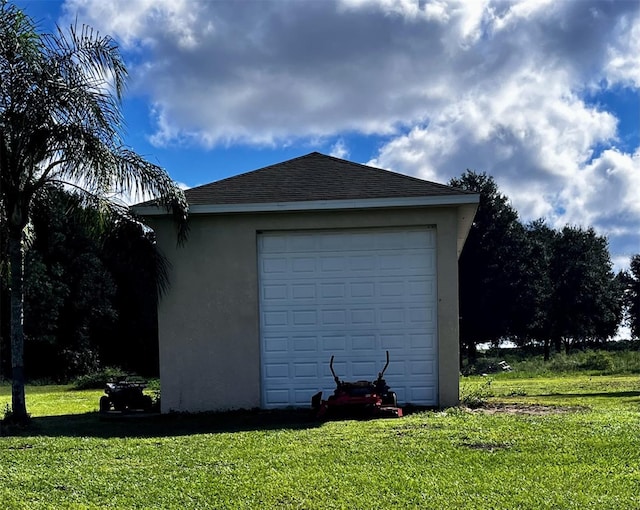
(482, 365)
(598, 360)
(98, 379)
(476, 396)
(9, 424)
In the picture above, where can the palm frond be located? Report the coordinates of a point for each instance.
(64, 120)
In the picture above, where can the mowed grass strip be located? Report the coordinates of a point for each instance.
(571, 442)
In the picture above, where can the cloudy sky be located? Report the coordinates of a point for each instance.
(542, 95)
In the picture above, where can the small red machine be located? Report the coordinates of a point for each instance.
(360, 398)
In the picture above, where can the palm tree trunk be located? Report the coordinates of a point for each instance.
(16, 261)
(546, 349)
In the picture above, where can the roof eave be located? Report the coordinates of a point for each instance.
(320, 205)
(466, 214)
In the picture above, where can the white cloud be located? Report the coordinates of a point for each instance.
(340, 149)
(623, 64)
(494, 86)
(262, 72)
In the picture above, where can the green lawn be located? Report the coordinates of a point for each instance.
(584, 452)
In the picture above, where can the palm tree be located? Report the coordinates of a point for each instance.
(61, 123)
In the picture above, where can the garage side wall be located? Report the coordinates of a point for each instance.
(208, 320)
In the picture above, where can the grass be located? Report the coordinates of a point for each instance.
(528, 365)
(563, 442)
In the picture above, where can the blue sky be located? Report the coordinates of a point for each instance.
(542, 95)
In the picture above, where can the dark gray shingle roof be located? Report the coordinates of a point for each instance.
(314, 177)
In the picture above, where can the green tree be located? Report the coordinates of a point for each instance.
(533, 320)
(139, 271)
(586, 306)
(491, 274)
(61, 123)
(69, 292)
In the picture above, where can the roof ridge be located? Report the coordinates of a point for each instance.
(243, 174)
(340, 160)
(316, 177)
(417, 179)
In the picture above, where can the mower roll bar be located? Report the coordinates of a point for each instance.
(385, 367)
(337, 379)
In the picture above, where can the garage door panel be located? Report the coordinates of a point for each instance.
(421, 367)
(304, 344)
(354, 295)
(308, 369)
(302, 292)
(421, 287)
(359, 264)
(422, 394)
(361, 343)
(363, 318)
(275, 345)
(275, 318)
(277, 396)
(274, 371)
(304, 265)
(304, 317)
(275, 292)
(333, 290)
(273, 244)
(363, 370)
(422, 341)
(273, 265)
(302, 396)
(392, 342)
(302, 243)
(332, 344)
(418, 316)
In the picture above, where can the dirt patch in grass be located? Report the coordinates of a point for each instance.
(527, 409)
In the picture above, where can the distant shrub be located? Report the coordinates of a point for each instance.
(483, 365)
(98, 379)
(604, 361)
(477, 395)
(564, 363)
(598, 360)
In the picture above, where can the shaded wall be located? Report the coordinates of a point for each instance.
(209, 319)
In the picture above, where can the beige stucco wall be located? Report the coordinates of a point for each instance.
(209, 319)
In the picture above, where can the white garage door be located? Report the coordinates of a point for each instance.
(353, 294)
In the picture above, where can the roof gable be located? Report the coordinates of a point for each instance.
(315, 177)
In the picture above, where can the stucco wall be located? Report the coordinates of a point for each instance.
(209, 321)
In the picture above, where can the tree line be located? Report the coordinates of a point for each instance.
(90, 292)
(538, 286)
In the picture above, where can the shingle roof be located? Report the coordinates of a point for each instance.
(311, 178)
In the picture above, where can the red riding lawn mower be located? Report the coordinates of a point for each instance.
(361, 398)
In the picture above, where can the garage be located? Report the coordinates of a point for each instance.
(289, 264)
(352, 293)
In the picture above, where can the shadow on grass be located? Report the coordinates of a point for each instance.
(96, 425)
